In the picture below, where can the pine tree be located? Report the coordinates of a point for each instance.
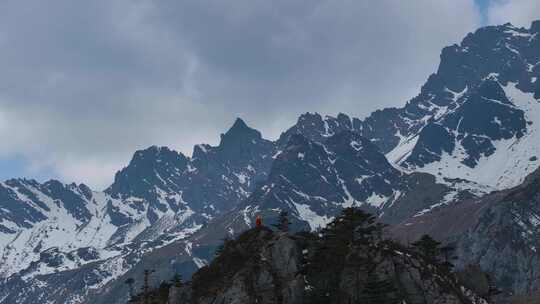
(132, 297)
(227, 241)
(448, 254)
(176, 281)
(493, 290)
(129, 282)
(146, 286)
(428, 247)
(353, 226)
(162, 293)
(283, 222)
(378, 291)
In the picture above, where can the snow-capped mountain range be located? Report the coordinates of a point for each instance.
(477, 117)
(160, 194)
(473, 129)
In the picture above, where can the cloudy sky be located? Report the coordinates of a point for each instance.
(83, 84)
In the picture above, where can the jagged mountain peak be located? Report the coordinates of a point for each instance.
(240, 124)
(155, 154)
(239, 133)
(200, 150)
(153, 158)
(309, 116)
(148, 168)
(505, 50)
(318, 128)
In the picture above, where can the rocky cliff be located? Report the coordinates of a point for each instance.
(349, 262)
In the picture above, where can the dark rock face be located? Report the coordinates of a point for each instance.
(383, 127)
(86, 254)
(51, 257)
(433, 140)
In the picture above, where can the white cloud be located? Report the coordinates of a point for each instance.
(517, 12)
(84, 84)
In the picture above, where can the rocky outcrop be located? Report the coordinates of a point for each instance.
(264, 266)
(260, 267)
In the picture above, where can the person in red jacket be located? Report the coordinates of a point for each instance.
(258, 221)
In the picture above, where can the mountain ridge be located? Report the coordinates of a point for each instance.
(403, 164)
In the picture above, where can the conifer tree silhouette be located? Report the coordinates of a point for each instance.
(378, 291)
(283, 222)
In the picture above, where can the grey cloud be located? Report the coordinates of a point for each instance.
(84, 84)
(518, 12)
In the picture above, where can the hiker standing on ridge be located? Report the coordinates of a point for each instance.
(258, 221)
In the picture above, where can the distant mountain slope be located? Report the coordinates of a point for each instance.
(499, 232)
